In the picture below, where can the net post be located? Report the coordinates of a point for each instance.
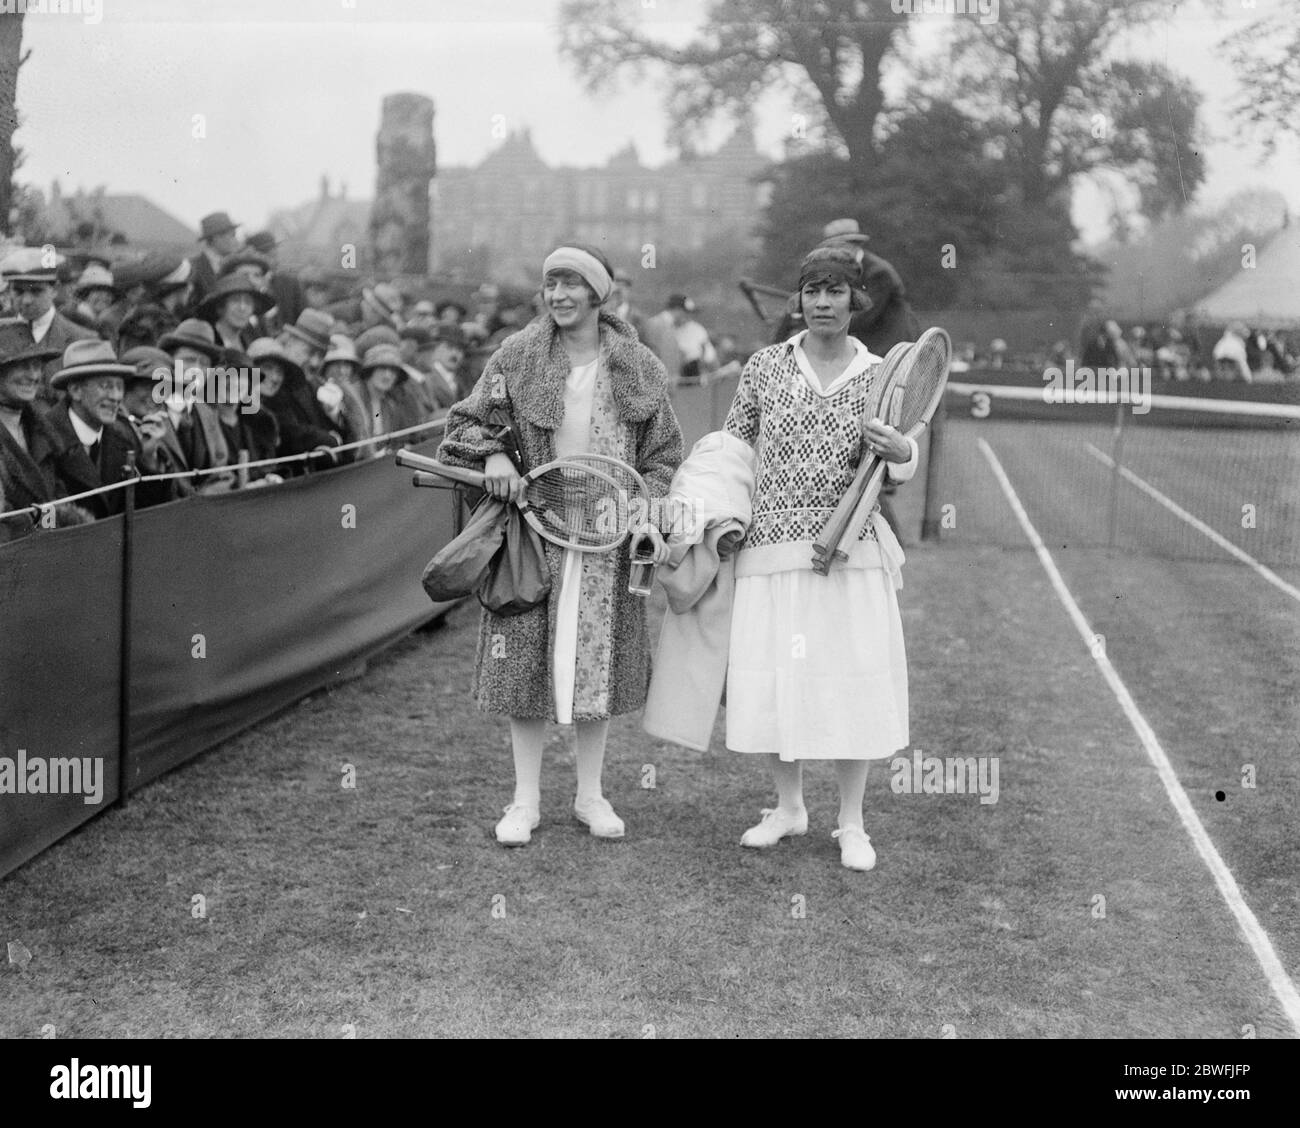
(931, 517)
(1116, 454)
(124, 658)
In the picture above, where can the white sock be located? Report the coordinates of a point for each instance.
(589, 747)
(527, 739)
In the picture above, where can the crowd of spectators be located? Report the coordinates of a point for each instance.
(214, 364)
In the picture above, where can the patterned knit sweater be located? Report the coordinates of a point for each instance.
(809, 446)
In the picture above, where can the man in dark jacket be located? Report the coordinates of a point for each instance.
(96, 448)
(30, 451)
(31, 276)
(219, 237)
(889, 318)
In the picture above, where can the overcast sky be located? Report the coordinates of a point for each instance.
(291, 89)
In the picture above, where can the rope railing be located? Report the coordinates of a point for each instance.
(38, 510)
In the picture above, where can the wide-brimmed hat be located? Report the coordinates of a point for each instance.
(843, 231)
(263, 241)
(146, 360)
(268, 348)
(30, 264)
(149, 270)
(450, 335)
(417, 333)
(176, 279)
(16, 346)
(384, 356)
(95, 277)
(244, 258)
(342, 349)
(194, 334)
(367, 339)
(215, 224)
(92, 357)
(450, 303)
(235, 283)
(312, 326)
(385, 299)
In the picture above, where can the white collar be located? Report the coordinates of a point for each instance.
(42, 324)
(84, 433)
(863, 358)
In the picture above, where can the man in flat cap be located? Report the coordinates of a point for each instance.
(31, 276)
(218, 237)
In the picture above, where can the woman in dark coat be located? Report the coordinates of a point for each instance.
(579, 380)
(304, 423)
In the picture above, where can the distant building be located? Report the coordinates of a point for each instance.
(316, 233)
(102, 219)
(499, 219)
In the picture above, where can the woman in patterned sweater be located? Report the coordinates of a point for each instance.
(817, 669)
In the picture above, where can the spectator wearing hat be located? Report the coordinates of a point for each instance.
(96, 293)
(234, 302)
(450, 313)
(889, 319)
(251, 432)
(218, 237)
(31, 281)
(382, 373)
(307, 340)
(660, 334)
(443, 359)
(283, 285)
(95, 447)
(316, 292)
(306, 423)
(405, 401)
(146, 417)
(342, 368)
(193, 431)
(620, 302)
(380, 304)
(30, 450)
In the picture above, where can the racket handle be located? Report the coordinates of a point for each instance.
(424, 478)
(862, 511)
(430, 466)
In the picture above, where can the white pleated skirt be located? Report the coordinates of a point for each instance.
(817, 668)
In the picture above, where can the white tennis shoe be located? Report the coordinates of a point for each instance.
(856, 851)
(516, 829)
(599, 817)
(776, 825)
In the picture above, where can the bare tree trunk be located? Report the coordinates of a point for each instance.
(11, 46)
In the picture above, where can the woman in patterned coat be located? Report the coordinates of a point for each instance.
(578, 380)
(816, 667)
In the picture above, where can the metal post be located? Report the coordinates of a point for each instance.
(931, 519)
(124, 678)
(1116, 453)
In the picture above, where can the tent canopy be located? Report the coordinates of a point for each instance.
(1266, 297)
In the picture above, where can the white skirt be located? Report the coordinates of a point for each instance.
(817, 669)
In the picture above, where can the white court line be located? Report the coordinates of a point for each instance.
(1256, 937)
(1199, 525)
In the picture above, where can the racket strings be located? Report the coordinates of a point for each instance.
(584, 503)
(927, 371)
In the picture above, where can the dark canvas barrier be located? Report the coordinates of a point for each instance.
(272, 587)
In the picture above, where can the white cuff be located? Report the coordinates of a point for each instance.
(903, 471)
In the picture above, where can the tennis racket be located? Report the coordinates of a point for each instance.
(834, 527)
(587, 502)
(915, 389)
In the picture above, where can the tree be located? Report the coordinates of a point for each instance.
(1266, 56)
(11, 58)
(829, 52)
(1041, 76)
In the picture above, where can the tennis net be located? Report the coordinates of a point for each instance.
(1177, 476)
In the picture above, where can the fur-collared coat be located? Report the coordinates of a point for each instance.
(514, 665)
